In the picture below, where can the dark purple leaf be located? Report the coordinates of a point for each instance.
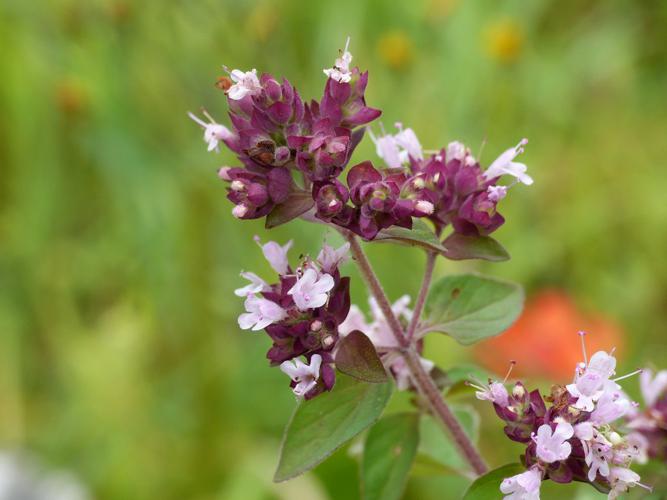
(356, 356)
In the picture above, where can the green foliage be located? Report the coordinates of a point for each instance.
(322, 425)
(356, 356)
(488, 485)
(421, 235)
(470, 308)
(436, 446)
(461, 247)
(389, 450)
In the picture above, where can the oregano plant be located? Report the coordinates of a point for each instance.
(342, 365)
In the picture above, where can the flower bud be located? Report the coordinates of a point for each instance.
(223, 173)
(239, 211)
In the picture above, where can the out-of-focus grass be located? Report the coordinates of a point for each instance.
(120, 357)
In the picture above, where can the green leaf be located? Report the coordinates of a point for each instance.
(356, 356)
(437, 445)
(488, 485)
(462, 247)
(390, 449)
(470, 308)
(322, 425)
(297, 204)
(421, 235)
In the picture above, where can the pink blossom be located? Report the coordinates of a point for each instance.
(504, 165)
(552, 446)
(276, 255)
(341, 70)
(213, 132)
(652, 387)
(245, 83)
(524, 486)
(305, 376)
(260, 313)
(330, 258)
(256, 285)
(311, 290)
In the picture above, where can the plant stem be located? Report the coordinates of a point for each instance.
(422, 380)
(423, 292)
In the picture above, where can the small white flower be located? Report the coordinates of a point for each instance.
(311, 290)
(598, 455)
(330, 258)
(407, 139)
(495, 392)
(552, 446)
(589, 385)
(396, 150)
(622, 479)
(653, 387)
(213, 132)
(524, 486)
(245, 83)
(504, 165)
(304, 375)
(456, 151)
(260, 313)
(256, 285)
(496, 193)
(380, 332)
(584, 431)
(341, 70)
(611, 405)
(276, 255)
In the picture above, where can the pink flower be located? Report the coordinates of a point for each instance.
(588, 386)
(213, 132)
(256, 285)
(276, 255)
(311, 290)
(341, 70)
(653, 387)
(504, 165)
(245, 83)
(329, 258)
(305, 376)
(524, 486)
(495, 392)
(260, 313)
(552, 446)
(407, 139)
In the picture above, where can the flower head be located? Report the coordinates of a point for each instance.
(304, 376)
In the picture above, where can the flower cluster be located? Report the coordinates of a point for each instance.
(275, 135)
(650, 425)
(574, 434)
(380, 334)
(301, 313)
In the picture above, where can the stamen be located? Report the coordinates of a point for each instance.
(207, 115)
(636, 372)
(347, 44)
(509, 370)
(481, 149)
(582, 334)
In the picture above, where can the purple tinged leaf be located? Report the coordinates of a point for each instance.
(295, 205)
(421, 235)
(356, 356)
(463, 247)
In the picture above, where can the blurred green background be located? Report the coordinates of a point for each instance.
(120, 357)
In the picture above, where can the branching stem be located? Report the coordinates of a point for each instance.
(422, 380)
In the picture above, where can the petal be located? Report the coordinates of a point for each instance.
(247, 320)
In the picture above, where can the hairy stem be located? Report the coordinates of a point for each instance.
(423, 292)
(422, 380)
